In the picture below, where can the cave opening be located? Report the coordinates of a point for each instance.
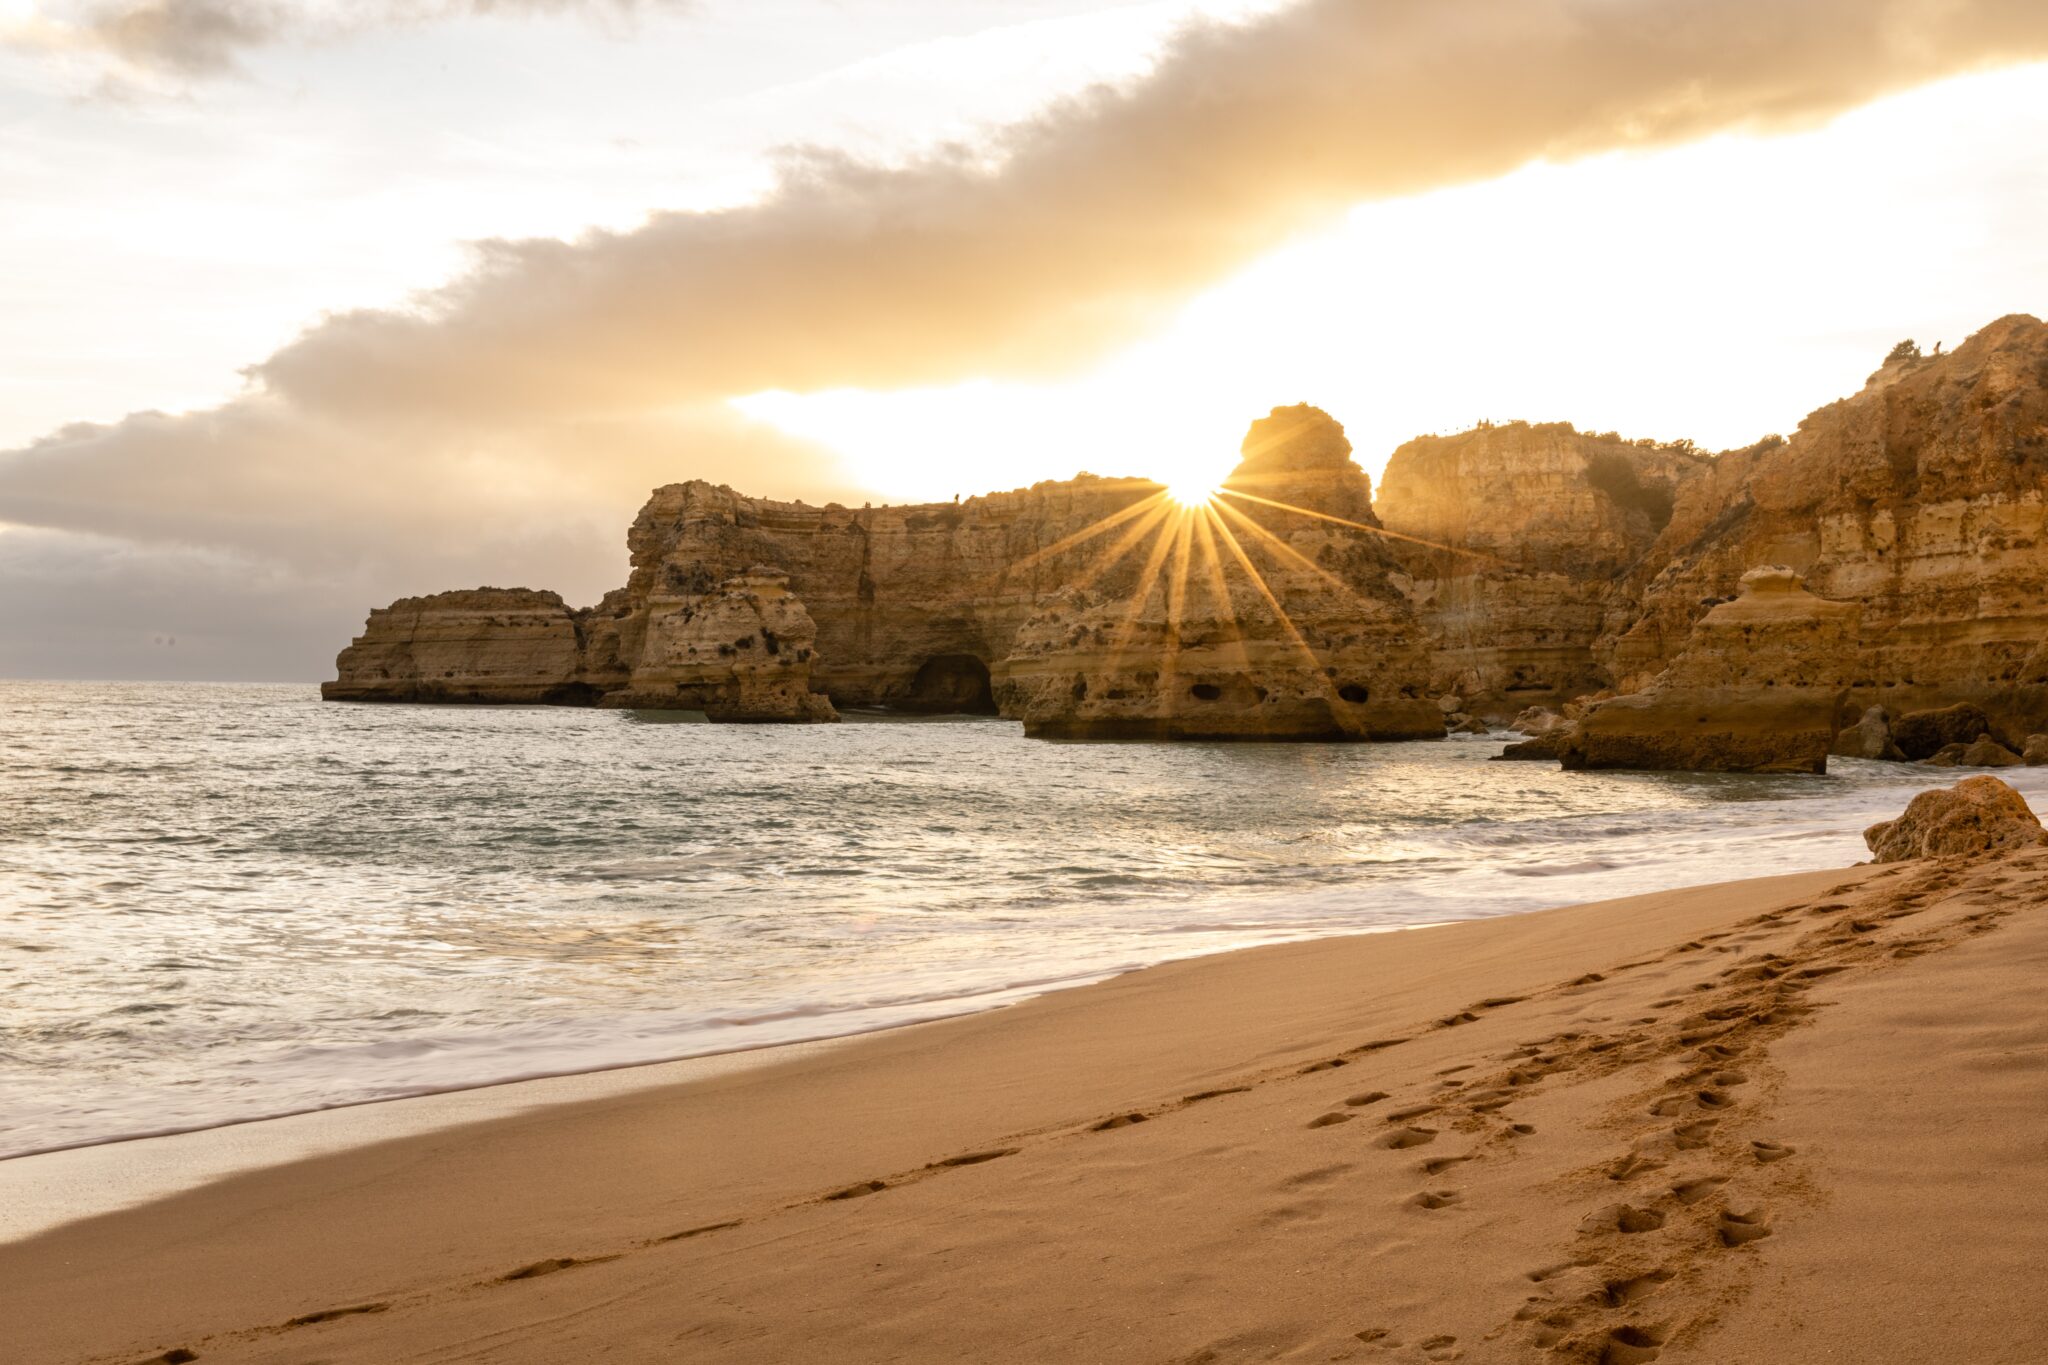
(951, 684)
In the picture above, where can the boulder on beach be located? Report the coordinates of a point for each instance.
(2035, 752)
(1923, 734)
(1869, 737)
(1976, 817)
(1984, 752)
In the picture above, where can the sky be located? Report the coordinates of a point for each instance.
(307, 306)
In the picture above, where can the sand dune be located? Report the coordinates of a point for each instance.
(1794, 1119)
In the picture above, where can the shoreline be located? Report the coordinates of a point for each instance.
(1069, 1178)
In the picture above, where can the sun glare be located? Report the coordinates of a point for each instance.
(1191, 493)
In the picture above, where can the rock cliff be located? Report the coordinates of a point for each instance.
(1503, 567)
(1088, 607)
(481, 645)
(1924, 499)
(1268, 612)
(1756, 689)
(1515, 538)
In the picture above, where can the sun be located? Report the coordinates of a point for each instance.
(1191, 492)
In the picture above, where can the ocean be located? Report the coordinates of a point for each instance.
(225, 902)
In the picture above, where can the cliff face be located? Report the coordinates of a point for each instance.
(1268, 612)
(1924, 499)
(480, 645)
(1509, 565)
(1756, 689)
(1088, 607)
(1515, 538)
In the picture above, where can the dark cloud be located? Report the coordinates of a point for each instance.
(202, 38)
(557, 381)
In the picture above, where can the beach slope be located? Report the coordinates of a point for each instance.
(1791, 1119)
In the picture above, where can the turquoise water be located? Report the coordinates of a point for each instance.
(224, 902)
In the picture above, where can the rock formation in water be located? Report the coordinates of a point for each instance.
(1923, 499)
(1519, 565)
(1517, 536)
(480, 645)
(1087, 607)
(1246, 619)
(1976, 817)
(1756, 689)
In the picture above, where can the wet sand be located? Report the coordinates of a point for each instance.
(1792, 1119)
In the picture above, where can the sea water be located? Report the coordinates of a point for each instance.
(219, 903)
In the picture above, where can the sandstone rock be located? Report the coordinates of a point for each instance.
(741, 652)
(1459, 723)
(1244, 620)
(1518, 536)
(2036, 751)
(1869, 737)
(1982, 753)
(1976, 817)
(1537, 720)
(1922, 734)
(508, 645)
(1923, 499)
(1756, 690)
(1548, 747)
(1450, 703)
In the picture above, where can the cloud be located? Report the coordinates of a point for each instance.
(556, 381)
(1086, 226)
(192, 39)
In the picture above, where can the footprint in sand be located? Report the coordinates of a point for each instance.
(1435, 1199)
(1622, 1293)
(330, 1314)
(1626, 1218)
(1412, 1112)
(1631, 1346)
(1440, 1348)
(1120, 1121)
(1437, 1165)
(1736, 1229)
(1692, 1191)
(1691, 1137)
(1403, 1138)
(1329, 1120)
(1763, 1149)
(865, 1187)
(1369, 1097)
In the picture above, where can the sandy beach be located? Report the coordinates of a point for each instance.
(1788, 1119)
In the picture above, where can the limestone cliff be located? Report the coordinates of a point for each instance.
(481, 645)
(1268, 612)
(1515, 538)
(1756, 689)
(1924, 499)
(1088, 606)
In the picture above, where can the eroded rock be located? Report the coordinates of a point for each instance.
(1756, 689)
(1869, 737)
(1976, 817)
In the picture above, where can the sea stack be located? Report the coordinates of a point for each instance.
(1756, 689)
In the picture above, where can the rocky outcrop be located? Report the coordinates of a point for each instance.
(1501, 568)
(741, 652)
(1513, 539)
(1922, 734)
(1869, 737)
(1756, 689)
(510, 645)
(1976, 817)
(2036, 751)
(1089, 607)
(1984, 753)
(1923, 499)
(1249, 618)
